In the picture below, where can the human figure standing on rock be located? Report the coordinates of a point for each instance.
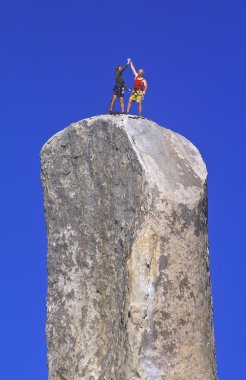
(140, 87)
(118, 90)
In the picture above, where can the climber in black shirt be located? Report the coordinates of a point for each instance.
(118, 90)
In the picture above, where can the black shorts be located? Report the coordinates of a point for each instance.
(119, 91)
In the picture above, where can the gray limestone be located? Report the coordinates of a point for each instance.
(129, 292)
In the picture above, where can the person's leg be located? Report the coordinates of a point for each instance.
(112, 103)
(122, 104)
(140, 109)
(129, 106)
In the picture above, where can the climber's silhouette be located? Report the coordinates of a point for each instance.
(140, 87)
(118, 90)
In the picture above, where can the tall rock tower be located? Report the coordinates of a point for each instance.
(129, 293)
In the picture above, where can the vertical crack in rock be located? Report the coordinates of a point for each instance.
(128, 269)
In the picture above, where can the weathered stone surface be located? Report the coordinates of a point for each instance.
(128, 268)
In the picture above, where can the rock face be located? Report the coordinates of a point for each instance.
(128, 269)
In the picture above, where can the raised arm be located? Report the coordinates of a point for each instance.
(133, 69)
(123, 68)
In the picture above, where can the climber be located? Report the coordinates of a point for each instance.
(118, 90)
(140, 87)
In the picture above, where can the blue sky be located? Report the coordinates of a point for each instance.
(57, 67)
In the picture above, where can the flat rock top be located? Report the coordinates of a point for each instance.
(170, 161)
